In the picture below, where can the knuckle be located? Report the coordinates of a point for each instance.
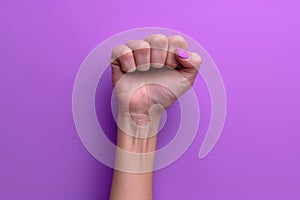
(158, 39)
(158, 35)
(137, 44)
(178, 40)
(119, 50)
(142, 44)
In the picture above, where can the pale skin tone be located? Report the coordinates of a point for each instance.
(146, 73)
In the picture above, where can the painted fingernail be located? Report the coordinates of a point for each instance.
(182, 53)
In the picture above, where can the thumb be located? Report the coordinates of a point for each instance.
(189, 61)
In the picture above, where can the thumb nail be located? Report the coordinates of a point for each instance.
(182, 53)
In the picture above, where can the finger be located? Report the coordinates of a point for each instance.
(122, 56)
(141, 52)
(174, 42)
(190, 63)
(116, 73)
(159, 47)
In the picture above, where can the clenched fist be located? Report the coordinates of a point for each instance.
(149, 75)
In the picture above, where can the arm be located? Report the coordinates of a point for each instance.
(148, 76)
(133, 186)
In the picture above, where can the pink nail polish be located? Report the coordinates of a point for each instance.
(182, 53)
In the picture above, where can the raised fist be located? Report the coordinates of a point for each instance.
(153, 71)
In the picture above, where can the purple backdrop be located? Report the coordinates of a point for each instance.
(255, 44)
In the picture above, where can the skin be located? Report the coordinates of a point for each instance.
(148, 76)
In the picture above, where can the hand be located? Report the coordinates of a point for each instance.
(153, 71)
(145, 73)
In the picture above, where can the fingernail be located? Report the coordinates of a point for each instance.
(182, 53)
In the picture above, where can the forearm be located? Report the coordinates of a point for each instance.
(131, 185)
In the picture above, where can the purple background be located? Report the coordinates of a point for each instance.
(255, 45)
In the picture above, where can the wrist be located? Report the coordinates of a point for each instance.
(135, 155)
(132, 144)
(140, 124)
(136, 141)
